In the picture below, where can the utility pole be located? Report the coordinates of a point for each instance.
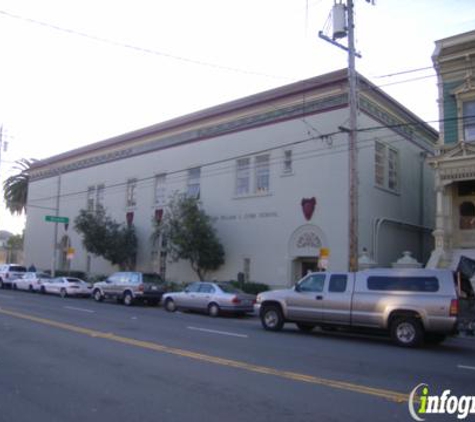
(55, 235)
(344, 26)
(352, 147)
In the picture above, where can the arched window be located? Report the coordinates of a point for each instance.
(467, 215)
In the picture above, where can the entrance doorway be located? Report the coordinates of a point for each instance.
(309, 266)
(302, 266)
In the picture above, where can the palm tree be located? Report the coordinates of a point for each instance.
(15, 188)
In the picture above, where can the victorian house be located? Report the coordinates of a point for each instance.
(454, 163)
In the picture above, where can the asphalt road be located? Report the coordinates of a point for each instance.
(77, 360)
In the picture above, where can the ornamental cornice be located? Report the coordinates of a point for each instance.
(243, 123)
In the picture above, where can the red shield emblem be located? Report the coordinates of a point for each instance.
(308, 207)
(158, 215)
(129, 217)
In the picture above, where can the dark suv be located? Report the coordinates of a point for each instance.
(129, 287)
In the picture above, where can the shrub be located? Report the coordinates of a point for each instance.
(251, 287)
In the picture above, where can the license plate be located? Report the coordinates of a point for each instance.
(154, 288)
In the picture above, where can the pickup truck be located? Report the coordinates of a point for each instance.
(412, 305)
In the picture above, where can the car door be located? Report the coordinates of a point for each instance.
(305, 301)
(204, 296)
(111, 285)
(337, 299)
(187, 299)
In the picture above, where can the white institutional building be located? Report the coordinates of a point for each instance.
(270, 169)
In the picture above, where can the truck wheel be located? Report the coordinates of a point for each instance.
(272, 318)
(305, 326)
(128, 299)
(407, 332)
(97, 296)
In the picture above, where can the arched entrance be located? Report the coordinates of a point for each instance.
(304, 250)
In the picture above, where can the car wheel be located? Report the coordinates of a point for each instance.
(42, 290)
(97, 296)
(213, 310)
(63, 293)
(305, 327)
(1, 284)
(170, 305)
(407, 332)
(15, 286)
(272, 318)
(30, 288)
(434, 338)
(128, 299)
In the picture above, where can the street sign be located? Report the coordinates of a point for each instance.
(70, 253)
(56, 219)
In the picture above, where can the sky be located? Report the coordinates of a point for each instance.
(76, 72)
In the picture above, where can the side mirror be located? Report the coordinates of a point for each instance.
(297, 287)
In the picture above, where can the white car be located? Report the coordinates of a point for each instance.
(68, 286)
(31, 281)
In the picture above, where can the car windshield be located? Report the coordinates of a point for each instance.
(152, 278)
(17, 268)
(228, 288)
(43, 275)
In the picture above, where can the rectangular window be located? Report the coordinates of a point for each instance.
(243, 173)
(338, 283)
(393, 166)
(262, 174)
(288, 162)
(194, 176)
(386, 167)
(131, 192)
(247, 270)
(379, 159)
(160, 190)
(100, 196)
(91, 190)
(469, 121)
(403, 284)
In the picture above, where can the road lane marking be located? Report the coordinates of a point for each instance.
(472, 368)
(224, 333)
(294, 376)
(72, 308)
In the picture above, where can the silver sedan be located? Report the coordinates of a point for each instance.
(213, 298)
(68, 286)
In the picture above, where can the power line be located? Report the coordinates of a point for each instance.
(136, 47)
(180, 175)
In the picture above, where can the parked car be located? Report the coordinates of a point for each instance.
(210, 297)
(129, 287)
(31, 281)
(413, 305)
(68, 286)
(10, 272)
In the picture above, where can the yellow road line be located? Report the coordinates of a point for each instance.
(294, 376)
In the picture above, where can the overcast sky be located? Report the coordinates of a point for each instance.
(76, 72)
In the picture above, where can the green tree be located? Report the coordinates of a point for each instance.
(190, 235)
(15, 188)
(15, 242)
(102, 236)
